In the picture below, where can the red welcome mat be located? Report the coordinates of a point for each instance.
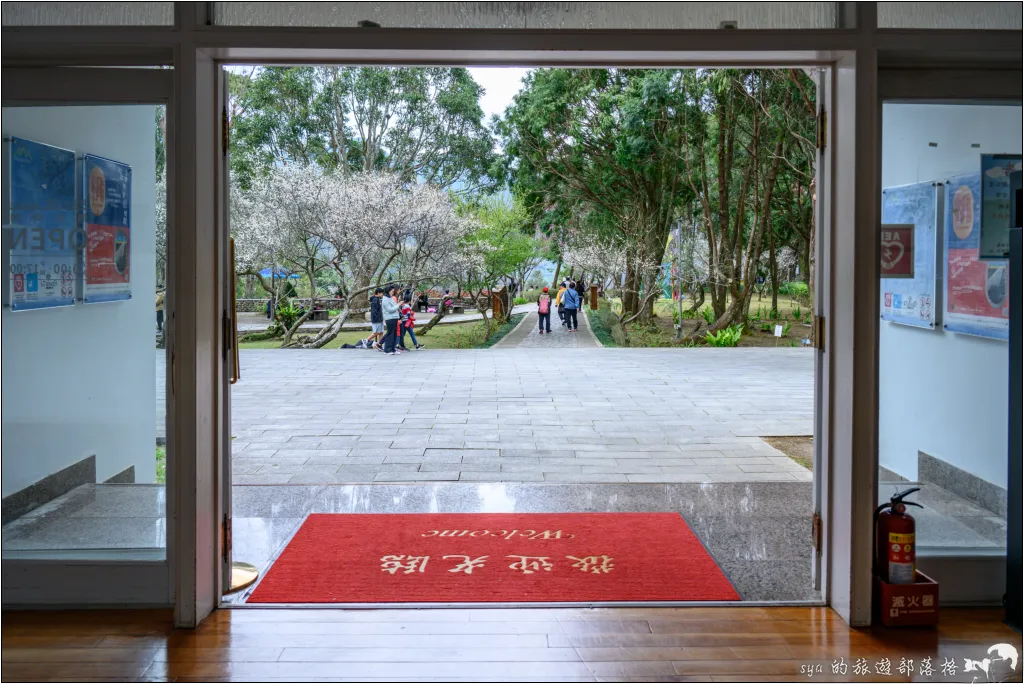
(520, 557)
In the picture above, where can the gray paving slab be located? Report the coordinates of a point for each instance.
(647, 414)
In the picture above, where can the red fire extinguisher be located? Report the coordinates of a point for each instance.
(895, 554)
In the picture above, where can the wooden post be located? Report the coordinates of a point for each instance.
(593, 297)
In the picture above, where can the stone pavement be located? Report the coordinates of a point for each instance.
(516, 415)
(527, 333)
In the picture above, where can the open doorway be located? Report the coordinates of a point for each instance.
(676, 206)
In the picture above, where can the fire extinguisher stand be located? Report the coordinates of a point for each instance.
(904, 596)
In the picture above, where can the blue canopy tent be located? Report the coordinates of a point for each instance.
(279, 274)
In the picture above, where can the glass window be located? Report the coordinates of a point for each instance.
(88, 13)
(84, 437)
(531, 15)
(950, 15)
(943, 358)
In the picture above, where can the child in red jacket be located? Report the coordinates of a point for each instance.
(407, 319)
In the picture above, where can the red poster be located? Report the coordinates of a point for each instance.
(976, 288)
(106, 255)
(897, 246)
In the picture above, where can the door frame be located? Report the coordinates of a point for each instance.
(849, 410)
(964, 86)
(108, 581)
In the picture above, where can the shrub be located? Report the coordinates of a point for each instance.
(797, 313)
(795, 288)
(727, 337)
(689, 314)
(709, 315)
(287, 314)
(520, 300)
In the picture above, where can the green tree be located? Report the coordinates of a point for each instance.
(603, 150)
(424, 124)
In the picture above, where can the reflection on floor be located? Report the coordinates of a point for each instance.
(756, 532)
(93, 521)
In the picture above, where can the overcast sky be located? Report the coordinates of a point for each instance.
(500, 85)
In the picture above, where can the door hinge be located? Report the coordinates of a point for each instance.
(819, 333)
(816, 532)
(225, 535)
(225, 132)
(822, 128)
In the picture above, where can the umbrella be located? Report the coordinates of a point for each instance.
(279, 274)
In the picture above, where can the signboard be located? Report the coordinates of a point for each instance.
(897, 250)
(909, 244)
(42, 240)
(106, 206)
(977, 292)
(996, 204)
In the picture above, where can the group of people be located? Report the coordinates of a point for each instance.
(391, 318)
(568, 302)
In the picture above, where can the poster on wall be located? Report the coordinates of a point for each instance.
(106, 200)
(41, 241)
(977, 292)
(908, 248)
(996, 204)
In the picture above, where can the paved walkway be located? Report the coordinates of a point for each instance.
(527, 333)
(520, 415)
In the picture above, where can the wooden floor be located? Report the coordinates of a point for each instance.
(622, 644)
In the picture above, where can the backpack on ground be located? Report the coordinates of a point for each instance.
(544, 306)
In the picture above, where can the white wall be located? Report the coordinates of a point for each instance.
(80, 380)
(939, 392)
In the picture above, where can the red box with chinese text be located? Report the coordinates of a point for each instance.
(907, 605)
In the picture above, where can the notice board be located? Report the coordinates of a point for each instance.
(977, 292)
(106, 200)
(911, 300)
(41, 241)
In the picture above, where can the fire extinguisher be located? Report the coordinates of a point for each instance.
(895, 553)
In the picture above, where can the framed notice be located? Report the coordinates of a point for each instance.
(106, 208)
(908, 247)
(996, 204)
(41, 242)
(977, 292)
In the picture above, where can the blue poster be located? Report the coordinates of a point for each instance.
(43, 236)
(911, 300)
(977, 292)
(996, 206)
(106, 207)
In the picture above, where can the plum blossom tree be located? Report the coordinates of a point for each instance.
(378, 229)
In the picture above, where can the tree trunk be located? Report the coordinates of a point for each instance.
(697, 293)
(432, 322)
(558, 270)
(324, 336)
(773, 269)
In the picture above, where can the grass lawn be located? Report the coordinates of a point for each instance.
(800, 449)
(760, 328)
(161, 465)
(458, 336)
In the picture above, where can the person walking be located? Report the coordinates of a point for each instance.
(160, 311)
(377, 318)
(407, 319)
(389, 306)
(559, 303)
(544, 311)
(581, 290)
(571, 300)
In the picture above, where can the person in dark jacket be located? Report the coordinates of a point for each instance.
(571, 300)
(377, 318)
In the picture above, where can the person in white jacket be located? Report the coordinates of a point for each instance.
(389, 304)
